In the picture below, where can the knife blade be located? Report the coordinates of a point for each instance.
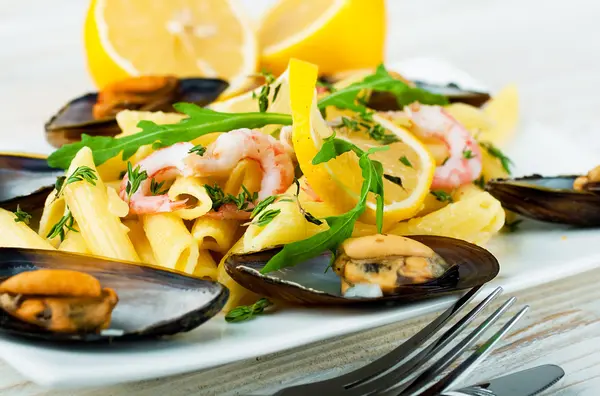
(528, 382)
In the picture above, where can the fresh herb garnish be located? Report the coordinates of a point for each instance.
(135, 177)
(381, 80)
(198, 150)
(21, 216)
(327, 85)
(394, 179)
(200, 121)
(350, 124)
(444, 161)
(244, 312)
(405, 161)
(480, 182)
(262, 205)
(307, 216)
(60, 181)
(242, 201)
(263, 96)
(340, 227)
(468, 154)
(496, 152)
(155, 187)
(122, 174)
(442, 196)
(58, 229)
(266, 217)
(378, 132)
(512, 227)
(277, 88)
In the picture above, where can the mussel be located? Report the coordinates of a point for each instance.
(466, 266)
(549, 199)
(152, 302)
(25, 180)
(94, 113)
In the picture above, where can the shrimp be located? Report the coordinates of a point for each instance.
(230, 211)
(229, 148)
(163, 164)
(464, 164)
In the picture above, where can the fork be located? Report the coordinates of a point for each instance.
(384, 377)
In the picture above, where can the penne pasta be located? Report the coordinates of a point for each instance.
(215, 234)
(206, 266)
(102, 231)
(140, 241)
(171, 242)
(74, 243)
(192, 189)
(54, 209)
(18, 234)
(246, 173)
(116, 205)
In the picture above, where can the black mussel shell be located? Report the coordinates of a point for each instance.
(153, 302)
(549, 199)
(25, 180)
(309, 284)
(385, 101)
(76, 117)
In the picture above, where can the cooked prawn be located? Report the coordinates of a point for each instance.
(230, 212)
(230, 148)
(163, 164)
(464, 163)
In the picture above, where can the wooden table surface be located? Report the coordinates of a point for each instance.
(548, 47)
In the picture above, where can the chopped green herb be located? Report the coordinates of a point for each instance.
(378, 132)
(58, 230)
(480, 182)
(135, 177)
(351, 125)
(512, 227)
(122, 174)
(82, 173)
(262, 205)
(442, 196)
(21, 216)
(267, 216)
(328, 86)
(244, 312)
(277, 88)
(310, 218)
(156, 186)
(496, 152)
(219, 198)
(60, 181)
(468, 154)
(394, 179)
(200, 121)
(198, 150)
(445, 160)
(405, 161)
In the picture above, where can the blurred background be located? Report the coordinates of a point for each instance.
(548, 47)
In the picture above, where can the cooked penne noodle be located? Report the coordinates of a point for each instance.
(215, 234)
(192, 189)
(102, 231)
(246, 173)
(140, 241)
(171, 242)
(18, 234)
(74, 243)
(205, 140)
(206, 266)
(54, 209)
(116, 205)
(116, 184)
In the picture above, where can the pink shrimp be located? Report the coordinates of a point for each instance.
(464, 164)
(230, 148)
(163, 164)
(230, 212)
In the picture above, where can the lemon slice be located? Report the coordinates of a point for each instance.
(328, 33)
(182, 38)
(338, 181)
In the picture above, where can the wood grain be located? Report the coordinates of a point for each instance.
(548, 47)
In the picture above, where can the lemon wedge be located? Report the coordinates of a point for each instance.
(334, 34)
(182, 38)
(338, 181)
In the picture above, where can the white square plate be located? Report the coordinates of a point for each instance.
(537, 253)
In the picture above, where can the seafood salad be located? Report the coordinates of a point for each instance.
(348, 167)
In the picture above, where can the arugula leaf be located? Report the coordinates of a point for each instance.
(381, 80)
(200, 121)
(340, 227)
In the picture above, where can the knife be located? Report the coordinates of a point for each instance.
(528, 382)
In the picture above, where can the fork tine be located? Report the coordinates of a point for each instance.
(467, 366)
(405, 369)
(392, 358)
(391, 379)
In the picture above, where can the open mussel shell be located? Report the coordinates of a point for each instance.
(76, 117)
(309, 284)
(153, 302)
(385, 101)
(549, 199)
(25, 180)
